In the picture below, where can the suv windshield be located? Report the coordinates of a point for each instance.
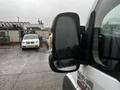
(30, 37)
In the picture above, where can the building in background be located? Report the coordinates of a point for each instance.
(14, 31)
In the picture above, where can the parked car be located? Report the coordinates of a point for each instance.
(30, 41)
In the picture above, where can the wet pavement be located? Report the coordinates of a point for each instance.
(27, 70)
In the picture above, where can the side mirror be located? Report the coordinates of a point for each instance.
(65, 43)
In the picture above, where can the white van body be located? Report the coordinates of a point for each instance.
(89, 77)
(98, 79)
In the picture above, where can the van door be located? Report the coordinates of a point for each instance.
(104, 72)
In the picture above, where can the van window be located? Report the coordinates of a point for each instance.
(109, 40)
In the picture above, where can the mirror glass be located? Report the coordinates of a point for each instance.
(66, 38)
(66, 44)
(66, 64)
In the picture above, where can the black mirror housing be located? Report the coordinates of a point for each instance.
(65, 43)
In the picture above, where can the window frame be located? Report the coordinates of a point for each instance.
(100, 13)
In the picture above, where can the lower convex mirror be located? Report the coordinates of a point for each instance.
(64, 65)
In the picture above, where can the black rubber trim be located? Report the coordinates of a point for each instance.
(67, 84)
(95, 49)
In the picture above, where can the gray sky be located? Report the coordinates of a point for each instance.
(46, 10)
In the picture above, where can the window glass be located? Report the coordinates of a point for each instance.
(31, 37)
(109, 39)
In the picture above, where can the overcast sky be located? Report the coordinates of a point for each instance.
(46, 10)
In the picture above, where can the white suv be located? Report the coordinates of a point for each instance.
(30, 41)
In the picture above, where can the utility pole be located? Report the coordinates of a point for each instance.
(39, 21)
(18, 18)
(19, 30)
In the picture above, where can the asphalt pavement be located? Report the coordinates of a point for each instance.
(27, 70)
